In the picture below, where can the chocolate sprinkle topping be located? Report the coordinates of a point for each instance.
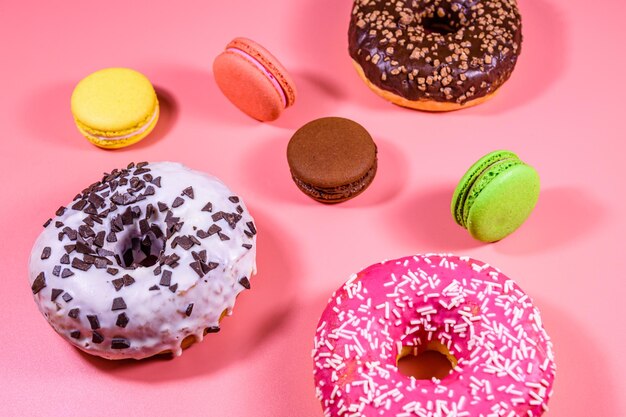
(122, 320)
(247, 246)
(234, 199)
(212, 329)
(66, 273)
(56, 271)
(118, 304)
(75, 334)
(93, 321)
(178, 202)
(173, 288)
(65, 259)
(67, 297)
(46, 252)
(120, 343)
(208, 207)
(188, 192)
(79, 264)
(153, 288)
(73, 313)
(47, 223)
(166, 277)
(245, 282)
(97, 338)
(39, 283)
(55, 294)
(118, 283)
(112, 271)
(189, 310)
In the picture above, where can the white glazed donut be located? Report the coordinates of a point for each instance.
(145, 258)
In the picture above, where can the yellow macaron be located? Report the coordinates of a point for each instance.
(115, 107)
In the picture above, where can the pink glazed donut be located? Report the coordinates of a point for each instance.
(502, 358)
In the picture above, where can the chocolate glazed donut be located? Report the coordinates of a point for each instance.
(435, 55)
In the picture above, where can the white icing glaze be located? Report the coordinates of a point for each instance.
(157, 319)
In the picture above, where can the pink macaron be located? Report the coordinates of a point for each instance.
(254, 80)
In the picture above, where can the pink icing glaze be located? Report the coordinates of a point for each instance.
(505, 360)
(264, 70)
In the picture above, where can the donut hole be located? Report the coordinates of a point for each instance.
(435, 361)
(138, 249)
(441, 21)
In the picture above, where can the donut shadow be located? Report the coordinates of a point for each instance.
(323, 45)
(47, 116)
(425, 219)
(541, 63)
(548, 228)
(583, 374)
(257, 317)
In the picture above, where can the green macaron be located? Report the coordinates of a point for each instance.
(495, 196)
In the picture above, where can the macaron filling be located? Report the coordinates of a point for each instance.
(139, 131)
(268, 74)
(341, 192)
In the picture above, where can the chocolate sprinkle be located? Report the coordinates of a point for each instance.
(251, 227)
(214, 229)
(173, 288)
(122, 320)
(166, 277)
(67, 297)
(208, 207)
(189, 310)
(212, 329)
(65, 259)
(153, 288)
(120, 343)
(247, 246)
(60, 211)
(118, 283)
(56, 271)
(234, 199)
(79, 264)
(69, 248)
(47, 223)
(39, 283)
(74, 313)
(75, 334)
(97, 338)
(66, 273)
(93, 321)
(55, 294)
(128, 280)
(112, 271)
(188, 192)
(223, 236)
(245, 282)
(46, 252)
(177, 202)
(118, 304)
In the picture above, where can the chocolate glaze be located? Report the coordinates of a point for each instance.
(441, 50)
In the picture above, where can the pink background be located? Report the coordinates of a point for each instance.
(562, 112)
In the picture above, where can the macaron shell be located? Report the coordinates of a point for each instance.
(270, 63)
(504, 204)
(247, 87)
(331, 152)
(113, 102)
(462, 189)
(121, 143)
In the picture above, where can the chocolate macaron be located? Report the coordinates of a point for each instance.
(332, 159)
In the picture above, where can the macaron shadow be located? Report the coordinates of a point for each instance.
(168, 115)
(563, 215)
(318, 96)
(258, 315)
(424, 219)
